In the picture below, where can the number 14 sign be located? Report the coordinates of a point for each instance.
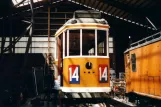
(103, 73)
(74, 74)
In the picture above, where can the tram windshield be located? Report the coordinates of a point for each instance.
(74, 42)
(86, 42)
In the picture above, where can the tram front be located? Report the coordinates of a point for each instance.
(85, 65)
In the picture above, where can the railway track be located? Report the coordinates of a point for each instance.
(75, 102)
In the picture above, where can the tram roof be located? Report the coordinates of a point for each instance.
(68, 25)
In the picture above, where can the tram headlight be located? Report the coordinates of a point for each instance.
(89, 65)
(74, 21)
(102, 21)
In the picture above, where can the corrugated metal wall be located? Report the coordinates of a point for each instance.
(38, 45)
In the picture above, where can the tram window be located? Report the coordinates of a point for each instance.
(65, 43)
(56, 48)
(74, 42)
(133, 60)
(60, 45)
(101, 43)
(88, 42)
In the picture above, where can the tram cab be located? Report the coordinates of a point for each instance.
(82, 55)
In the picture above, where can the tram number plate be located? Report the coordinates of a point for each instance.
(74, 74)
(103, 73)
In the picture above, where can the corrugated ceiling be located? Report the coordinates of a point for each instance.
(131, 11)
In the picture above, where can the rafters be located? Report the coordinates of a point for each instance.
(121, 9)
(124, 7)
(126, 16)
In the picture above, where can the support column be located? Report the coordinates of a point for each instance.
(3, 36)
(48, 55)
(29, 43)
(10, 38)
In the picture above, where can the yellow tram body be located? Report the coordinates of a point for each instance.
(142, 67)
(82, 57)
(88, 78)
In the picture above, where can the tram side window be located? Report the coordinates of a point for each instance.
(65, 43)
(133, 60)
(60, 46)
(56, 48)
(74, 42)
(101, 43)
(88, 42)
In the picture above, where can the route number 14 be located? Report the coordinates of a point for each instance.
(103, 73)
(74, 74)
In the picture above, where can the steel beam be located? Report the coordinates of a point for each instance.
(10, 50)
(3, 37)
(151, 23)
(19, 3)
(99, 2)
(29, 43)
(31, 29)
(2, 45)
(16, 40)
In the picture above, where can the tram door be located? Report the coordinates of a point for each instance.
(60, 56)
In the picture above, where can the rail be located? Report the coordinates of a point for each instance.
(149, 38)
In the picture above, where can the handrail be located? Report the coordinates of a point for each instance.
(146, 39)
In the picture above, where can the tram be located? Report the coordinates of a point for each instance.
(82, 54)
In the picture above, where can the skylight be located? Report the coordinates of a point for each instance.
(26, 2)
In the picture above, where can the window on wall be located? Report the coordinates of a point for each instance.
(88, 42)
(101, 43)
(74, 42)
(133, 61)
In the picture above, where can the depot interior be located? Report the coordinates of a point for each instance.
(129, 21)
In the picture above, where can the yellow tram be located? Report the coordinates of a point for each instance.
(82, 54)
